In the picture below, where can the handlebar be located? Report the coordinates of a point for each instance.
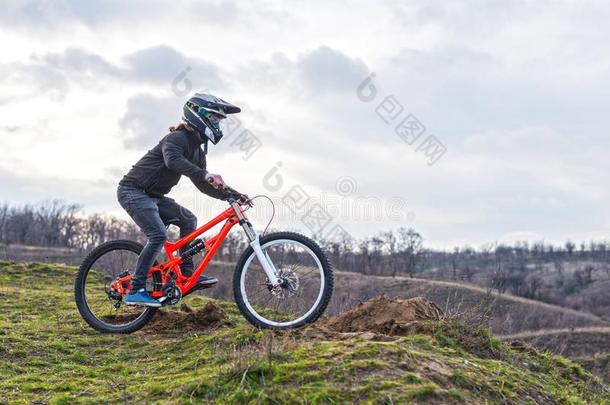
(232, 194)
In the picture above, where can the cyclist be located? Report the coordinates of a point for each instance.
(142, 191)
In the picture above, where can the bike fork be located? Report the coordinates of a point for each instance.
(265, 261)
(263, 257)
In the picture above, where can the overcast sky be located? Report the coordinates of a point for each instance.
(511, 97)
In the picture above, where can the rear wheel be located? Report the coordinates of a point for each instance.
(98, 303)
(306, 282)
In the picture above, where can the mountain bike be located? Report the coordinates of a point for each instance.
(282, 279)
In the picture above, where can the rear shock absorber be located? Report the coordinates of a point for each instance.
(193, 248)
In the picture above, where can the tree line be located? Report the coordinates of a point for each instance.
(388, 253)
(60, 224)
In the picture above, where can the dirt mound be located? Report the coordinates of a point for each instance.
(387, 316)
(208, 318)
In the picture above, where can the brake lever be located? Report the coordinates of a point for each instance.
(241, 201)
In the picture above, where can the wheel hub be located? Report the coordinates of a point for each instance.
(288, 284)
(112, 290)
(112, 293)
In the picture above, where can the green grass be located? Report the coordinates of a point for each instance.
(49, 355)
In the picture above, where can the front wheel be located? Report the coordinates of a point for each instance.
(306, 282)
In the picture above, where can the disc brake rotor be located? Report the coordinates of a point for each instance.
(288, 286)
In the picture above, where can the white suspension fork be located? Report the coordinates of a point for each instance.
(265, 261)
(263, 257)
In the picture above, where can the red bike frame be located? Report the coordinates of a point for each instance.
(233, 215)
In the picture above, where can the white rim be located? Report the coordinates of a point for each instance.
(245, 297)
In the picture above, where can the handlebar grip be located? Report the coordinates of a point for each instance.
(221, 188)
(234, 193)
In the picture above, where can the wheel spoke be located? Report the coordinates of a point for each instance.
(302, 282)
(101, 274)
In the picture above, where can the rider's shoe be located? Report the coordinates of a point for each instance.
(141, 297)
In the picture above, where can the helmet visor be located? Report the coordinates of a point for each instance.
(214, 118)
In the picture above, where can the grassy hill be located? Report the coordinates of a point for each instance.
(49, 355)
(574, 342)
(588, 346)
(598, 364)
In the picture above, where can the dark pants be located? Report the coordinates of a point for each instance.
(152, 215)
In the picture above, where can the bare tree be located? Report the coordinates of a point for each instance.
(410, 243)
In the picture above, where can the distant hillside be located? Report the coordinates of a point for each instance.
(509, 314)
(208, 353)
(577, 281)
(44, 254)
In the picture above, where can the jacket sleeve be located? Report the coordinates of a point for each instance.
(173, 150)
(208, 189)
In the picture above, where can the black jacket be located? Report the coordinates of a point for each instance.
(178, 153)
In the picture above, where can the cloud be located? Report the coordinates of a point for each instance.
(21, 188)
(147, 116)
(44, 15)
(55, 72)
(517, 91)
(327, 69)
(318, 112)
(147, 119)
(320, 71)
(77, 60)
(33, 14)
(161, 64)
(543, 158)
(468, 16)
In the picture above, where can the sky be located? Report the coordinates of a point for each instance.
(473, 122)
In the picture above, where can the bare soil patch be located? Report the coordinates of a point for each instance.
(380, 318)
(388, 316)
(210, 317)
